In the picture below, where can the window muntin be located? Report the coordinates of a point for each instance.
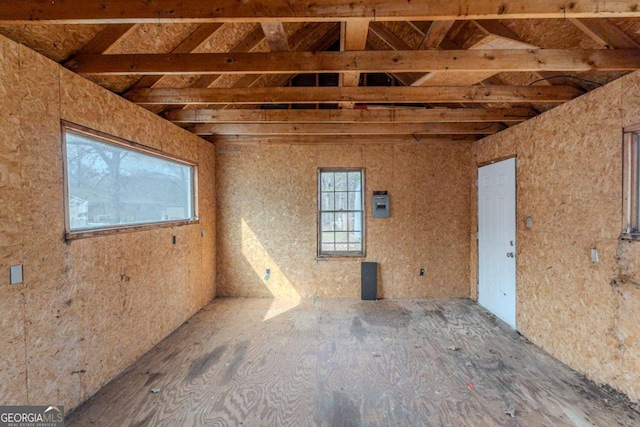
(111, 184)
(341, 212)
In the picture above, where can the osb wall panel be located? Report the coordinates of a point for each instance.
(569, 169)
(13, 364)
(89, 307)
(267, 220)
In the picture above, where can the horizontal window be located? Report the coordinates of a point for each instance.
(114, 184)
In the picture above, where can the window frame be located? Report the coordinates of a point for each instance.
(101, 137)
(341, 254)
(631, 183)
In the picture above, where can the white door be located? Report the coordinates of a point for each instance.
(497, 239)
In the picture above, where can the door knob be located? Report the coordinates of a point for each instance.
(511, 255)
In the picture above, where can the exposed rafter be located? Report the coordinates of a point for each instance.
(102, 41)
(164, 11)
(384, 34)
(481, 35)
(191, 43)
(306, 95)
(605, 33)
(316, 36)
(435, 34)
(498, 60)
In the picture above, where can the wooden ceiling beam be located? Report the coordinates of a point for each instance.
(498, 60)
(353, 37)
(605, 33)
(168, 11)
(311, 95)
(386, 115)
(346, 128)
(227, 142)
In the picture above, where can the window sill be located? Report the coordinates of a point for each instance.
(81, 234)
(630, 236)
(360, 257)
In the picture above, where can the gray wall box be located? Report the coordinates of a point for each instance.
(369, 280)
(380, 204)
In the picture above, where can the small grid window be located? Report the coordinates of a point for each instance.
(341, 212)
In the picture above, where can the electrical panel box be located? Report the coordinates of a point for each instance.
(380, 204)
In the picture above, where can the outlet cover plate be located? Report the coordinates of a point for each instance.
(15, 274)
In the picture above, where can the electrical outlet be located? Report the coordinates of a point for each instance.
(15, 274)
(422, 271)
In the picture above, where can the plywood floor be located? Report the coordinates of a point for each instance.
(261, 362)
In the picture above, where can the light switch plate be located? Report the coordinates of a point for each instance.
(15, 274)
(594, 255)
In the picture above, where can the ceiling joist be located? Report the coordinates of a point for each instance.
(169, 11)
(371, 94)
(223, 141)
(347, 128)
(498, 60)
(386, 115)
